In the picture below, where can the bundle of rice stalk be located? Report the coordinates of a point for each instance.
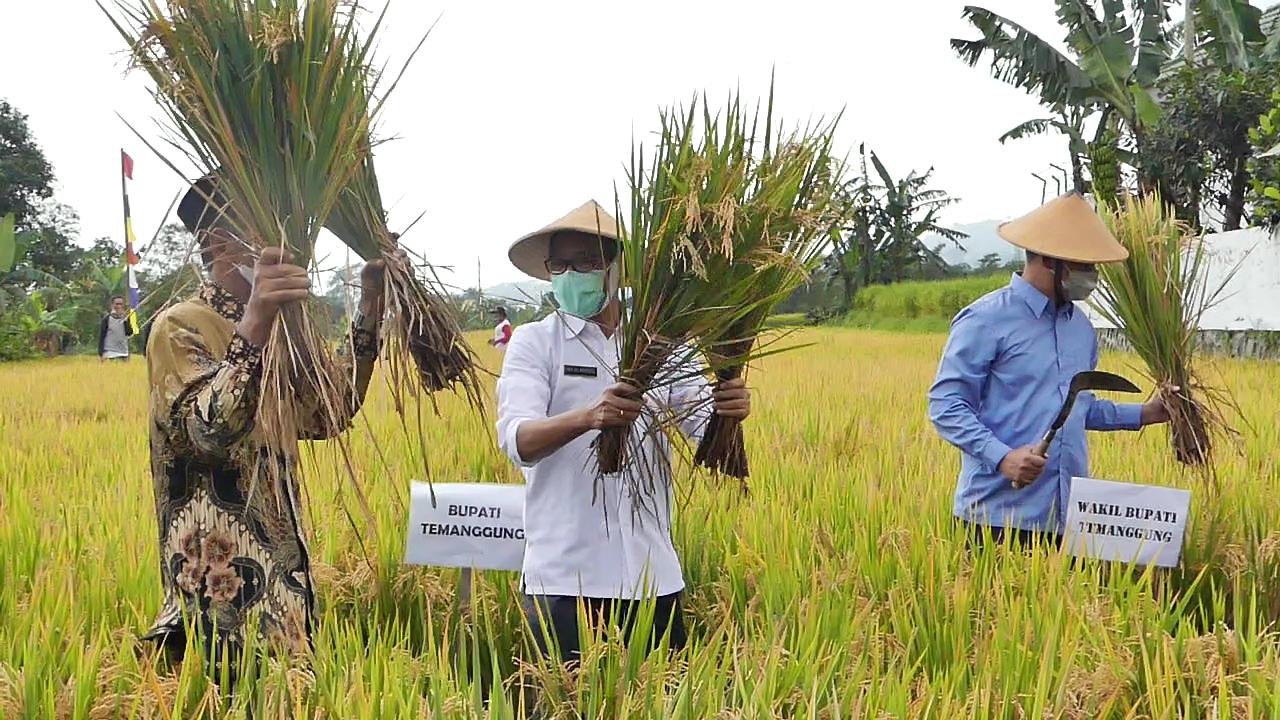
(784, 226)
(268, 96)
(685, 224)
(422, 326)
(1158, 297)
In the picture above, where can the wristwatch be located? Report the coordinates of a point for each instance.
(362, 321)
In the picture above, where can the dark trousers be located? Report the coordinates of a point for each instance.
(553, 620)
(976, 534)
(557, 616)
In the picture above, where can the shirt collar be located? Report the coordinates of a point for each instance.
(1035, 299)
(222, 302)
(573, 325)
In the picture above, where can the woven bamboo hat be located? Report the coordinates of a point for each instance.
(530, 252)
(1066, 228)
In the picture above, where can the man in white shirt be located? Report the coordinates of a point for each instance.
(556, 393)
(501, 331)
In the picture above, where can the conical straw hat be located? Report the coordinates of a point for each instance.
(1065, 228)
(530, 252)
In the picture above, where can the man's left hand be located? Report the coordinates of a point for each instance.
(732, 399)
(1154, 411)
(373, 282)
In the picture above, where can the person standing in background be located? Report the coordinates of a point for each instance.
(114, 332)
(501, 331)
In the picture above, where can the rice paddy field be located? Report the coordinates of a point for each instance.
(840, 588)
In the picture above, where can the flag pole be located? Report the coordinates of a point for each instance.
(126, 173)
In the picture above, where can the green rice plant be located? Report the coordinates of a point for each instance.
(816, 597)
(270, 97)
(423, 347)
(1157, 296)
(423, 327)
(786, 216)
(698, 283)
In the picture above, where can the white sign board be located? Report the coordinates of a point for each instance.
(472, 525)
(1126, 522)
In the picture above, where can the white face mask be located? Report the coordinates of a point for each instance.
(1080, 284)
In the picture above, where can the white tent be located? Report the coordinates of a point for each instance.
(1251, 300)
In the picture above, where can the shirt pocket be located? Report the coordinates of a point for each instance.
(574, 392)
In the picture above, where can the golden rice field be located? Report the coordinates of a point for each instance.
(839, 589)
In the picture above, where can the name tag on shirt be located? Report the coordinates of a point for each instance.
(579, 371)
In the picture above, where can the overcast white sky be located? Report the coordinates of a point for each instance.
(515, 113)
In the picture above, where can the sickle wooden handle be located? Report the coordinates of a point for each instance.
(1043, 451)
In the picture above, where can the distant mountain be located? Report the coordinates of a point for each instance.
(982, 241)
(528, 292)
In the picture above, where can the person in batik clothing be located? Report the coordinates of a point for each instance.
(233, 553)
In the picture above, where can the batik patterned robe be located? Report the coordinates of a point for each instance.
(229, 556)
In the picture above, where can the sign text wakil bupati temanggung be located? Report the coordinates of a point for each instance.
(1126, 521)
(1127, 512)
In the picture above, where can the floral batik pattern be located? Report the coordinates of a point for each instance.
(232, 545)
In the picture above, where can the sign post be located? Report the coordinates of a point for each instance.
(1124, 522)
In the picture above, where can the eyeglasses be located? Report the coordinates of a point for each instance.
(556, 266)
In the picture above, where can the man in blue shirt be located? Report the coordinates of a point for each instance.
(1006, 368)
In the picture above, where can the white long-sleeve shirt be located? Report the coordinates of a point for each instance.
(612, 547)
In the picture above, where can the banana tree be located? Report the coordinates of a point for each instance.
(1115, 66)
(1069, 122)
(910, 211)
(52, 326)
(18, 280)
(1227, 34)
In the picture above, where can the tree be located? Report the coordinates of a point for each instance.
(1116, 64)
(172, 248)
(910, 211)
(52, 247)
(1226, 34)
(1200, 151)
(26, 177)
(853, 249)
(881, 240)
(1214, 96)
(1264, 167)
(168, 267)
(1070, 122)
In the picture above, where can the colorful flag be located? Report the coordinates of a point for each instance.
(131, 258)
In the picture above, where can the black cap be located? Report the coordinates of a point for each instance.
(195, 211)
(497, 310)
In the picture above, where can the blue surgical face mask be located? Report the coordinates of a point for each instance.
(580, 294)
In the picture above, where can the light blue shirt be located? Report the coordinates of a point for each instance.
(1002, 380)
